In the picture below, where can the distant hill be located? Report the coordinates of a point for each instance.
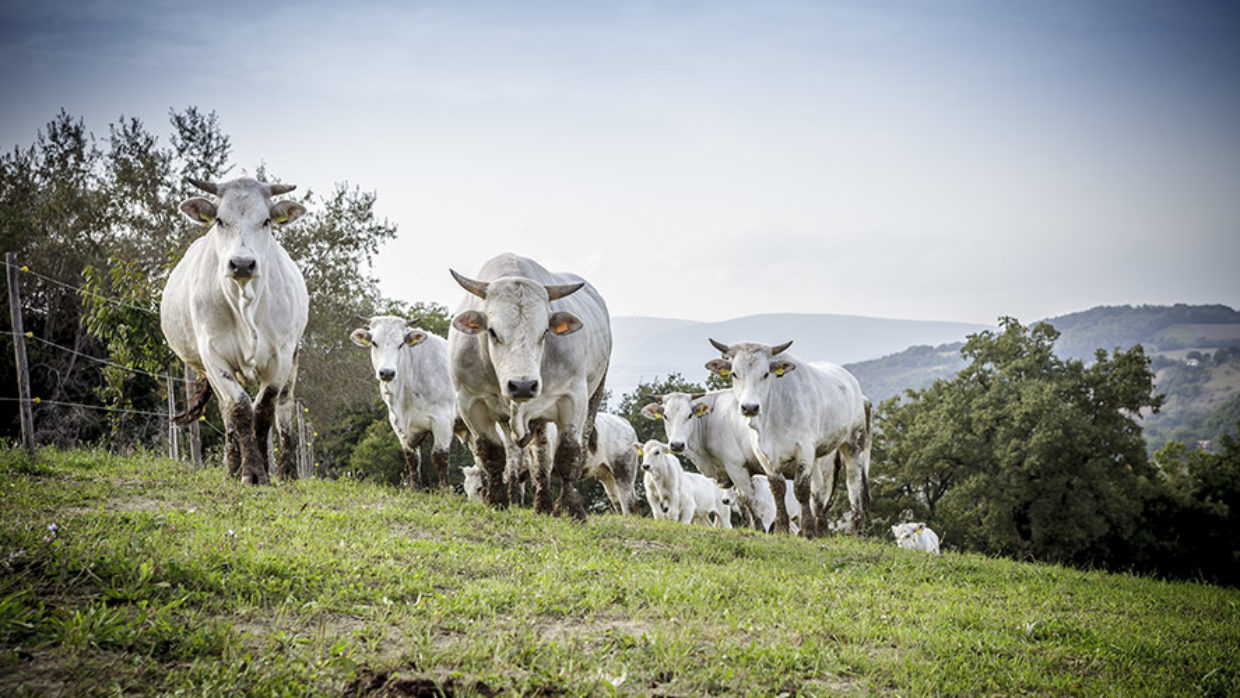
(1193, 349)
(646, 348)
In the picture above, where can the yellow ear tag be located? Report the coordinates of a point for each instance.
(724, 372)
(415, 340)
(658, 415)
(779, 372)
(641, 453)
(282, 219)
(205, 217)
(561, 328)
(366, 341)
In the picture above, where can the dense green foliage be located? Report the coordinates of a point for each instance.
(1027, 455)
(136, 576)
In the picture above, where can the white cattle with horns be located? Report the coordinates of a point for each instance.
(234, 309)
(799, 414)
(530, 347)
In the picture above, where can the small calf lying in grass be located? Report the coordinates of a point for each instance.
(916, 536)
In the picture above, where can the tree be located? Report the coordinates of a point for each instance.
(1022, 454)
(1191, 524)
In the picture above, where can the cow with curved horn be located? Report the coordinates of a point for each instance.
(411, 366)
(527, 347)
(807, 421)
(234, 309)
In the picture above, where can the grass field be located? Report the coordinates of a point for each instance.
(136, 575)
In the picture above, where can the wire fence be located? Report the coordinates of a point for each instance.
(168, 379)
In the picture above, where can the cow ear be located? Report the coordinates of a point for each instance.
(286, 212)
(640, 452)
(414, 337)
(199, 210)
(653, 411)
(779, 368)
(360, 337)
(701, 409)
(921, 528)
(562, 323)
(723, 367)
(470, 322)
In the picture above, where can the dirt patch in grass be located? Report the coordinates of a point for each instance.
(386, 684)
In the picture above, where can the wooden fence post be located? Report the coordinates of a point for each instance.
(195, 432)
(19, 354)
(174, 442)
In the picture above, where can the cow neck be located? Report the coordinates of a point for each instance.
(244, 300)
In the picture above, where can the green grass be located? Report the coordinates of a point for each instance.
(162, 580)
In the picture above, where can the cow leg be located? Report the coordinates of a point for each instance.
(264, 415)
(567, 466)
(232, 446)
(539, 469)
(801, 488)
(490, 456)
(779, 488)
(286, 413)
(238, 414)
(439, 460)
(441, 444)
(856, 467)
(412, 450)
(829, 477)
(608, 480)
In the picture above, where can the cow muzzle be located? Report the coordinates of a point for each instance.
(521, 389)
(676, 446)
(387, 374)
(242, 267)
(750, 409)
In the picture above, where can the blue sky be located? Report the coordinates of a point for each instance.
(708, 160)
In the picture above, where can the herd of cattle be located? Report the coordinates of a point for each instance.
(519, 379)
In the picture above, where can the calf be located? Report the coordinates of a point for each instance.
(916, 536)
(411, 366)
(681, 496)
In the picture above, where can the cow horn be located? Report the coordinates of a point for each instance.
(413, 322)
(478, 288)
(364, 320)
(557, 291)
(277, 189)
(657, 396)
(781, 347)
(697, 396)
(720, 346)
(209, 187)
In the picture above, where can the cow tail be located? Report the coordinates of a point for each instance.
(865, 454)
(196, 406)
(591, 431)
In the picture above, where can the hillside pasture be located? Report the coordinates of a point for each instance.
(138, 575)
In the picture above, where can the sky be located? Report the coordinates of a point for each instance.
(924, 159)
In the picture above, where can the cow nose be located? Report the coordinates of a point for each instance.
(645, 466)
(242, 266)
(749, 409)
(522, 389)
(387, 374)
(676, 446)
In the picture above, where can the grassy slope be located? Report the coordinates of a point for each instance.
(160, 580)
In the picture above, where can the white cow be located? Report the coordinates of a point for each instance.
(679, 495)
(916, 536)
(798, 414)
(234, 309)
(411, 366)
(709, 429)
(527, 347)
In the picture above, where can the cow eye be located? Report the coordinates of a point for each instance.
(491, 331)
(766, 375)
(266, 222)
